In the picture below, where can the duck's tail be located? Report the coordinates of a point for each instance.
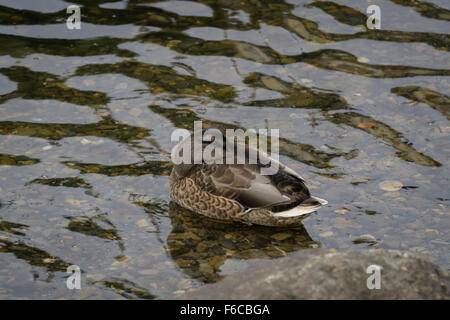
(309, 205)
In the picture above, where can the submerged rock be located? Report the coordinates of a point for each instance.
(321, 274)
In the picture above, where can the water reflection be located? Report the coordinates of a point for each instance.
(89, 227)
(19, 46)
(295, 95)
(301, 152)
(42, 85)
(434, 99)
(7, 226)
(426, 9)
(201, 246)
(162, 79)
(386, 133)
(125, 288)
(71, 182)
(16, 160)
(107, 127)
(135, 169)
(33, 256)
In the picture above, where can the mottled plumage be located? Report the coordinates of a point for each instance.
(239, 192)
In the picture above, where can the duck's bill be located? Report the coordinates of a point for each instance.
(297, 211)
(321, 201)
(301, 210)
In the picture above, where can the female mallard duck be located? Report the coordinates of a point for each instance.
(239, 192)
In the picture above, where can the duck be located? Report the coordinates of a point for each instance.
(239, 191)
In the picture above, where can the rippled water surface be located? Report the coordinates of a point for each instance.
(86, 117)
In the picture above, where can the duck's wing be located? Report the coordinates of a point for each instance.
(242, 183)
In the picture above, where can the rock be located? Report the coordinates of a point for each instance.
(135, 112)
(390, 185)
(366, 125)
(342, 212)
(365, 238)
(148, 272)
(122, 258)
(342, 223)
(88, 82)
(326, 234)
(142, 223)
(363, 60)
(251, 52)
(322, 274)
(281, 236)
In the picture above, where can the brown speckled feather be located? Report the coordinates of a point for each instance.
(187, 194)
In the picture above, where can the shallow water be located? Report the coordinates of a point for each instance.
(86, 117)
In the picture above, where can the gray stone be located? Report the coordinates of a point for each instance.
(322, 274)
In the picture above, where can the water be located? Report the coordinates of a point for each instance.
(86, 117)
